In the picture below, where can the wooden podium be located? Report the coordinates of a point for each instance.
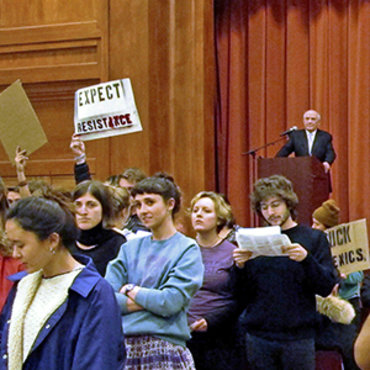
(310, 182)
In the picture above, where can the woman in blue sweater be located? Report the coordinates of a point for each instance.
(154, 278)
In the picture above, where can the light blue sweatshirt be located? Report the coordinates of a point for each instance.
(169, 272)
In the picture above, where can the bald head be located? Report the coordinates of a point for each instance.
(311, 120)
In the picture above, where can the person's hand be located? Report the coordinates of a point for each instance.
(129, 290)
(326, 166)
(199, 325)
(20, 159)
(132, 306)
(241, 256)
(78, 148)
(334, 292)
(295, 252)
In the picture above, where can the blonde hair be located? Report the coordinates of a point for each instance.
(120, 199)
(222, 208)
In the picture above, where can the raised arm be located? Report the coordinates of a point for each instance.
(81, 168)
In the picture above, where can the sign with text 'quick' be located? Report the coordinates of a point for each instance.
(106, 109)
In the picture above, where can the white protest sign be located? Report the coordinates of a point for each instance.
(106, 109)
(349, 246)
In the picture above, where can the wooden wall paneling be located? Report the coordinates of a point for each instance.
(49, 53)
(40, 12)
(55, 49)
(165, 47)
(169, 58)
(193, 98)
(185, 132)
(129, 58)
(160, 79)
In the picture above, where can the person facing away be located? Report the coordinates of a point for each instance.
(310, 141)
(333, 335)
(60, 314)
(280, 291)
(154, 278)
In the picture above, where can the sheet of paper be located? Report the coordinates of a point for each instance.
(19, 124)
(262, 241)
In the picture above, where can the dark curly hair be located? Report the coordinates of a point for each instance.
(275, 185)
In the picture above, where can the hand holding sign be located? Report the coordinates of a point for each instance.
(20, 159)
(20, 165)
(78, 149)
(77, 145)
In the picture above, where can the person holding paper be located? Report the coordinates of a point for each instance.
(332, 335)
(214, 309)
(280, 291)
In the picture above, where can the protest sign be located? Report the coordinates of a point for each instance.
(106, 109)
(19, 124)
(349, 246)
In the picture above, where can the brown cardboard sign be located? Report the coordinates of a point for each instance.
(19, 124)
(349, 246)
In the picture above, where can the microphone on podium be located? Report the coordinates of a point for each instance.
(287, 132)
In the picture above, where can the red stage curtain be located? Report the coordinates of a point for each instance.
(276, 59)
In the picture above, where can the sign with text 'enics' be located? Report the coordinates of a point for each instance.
(104, 110)
(349, 246)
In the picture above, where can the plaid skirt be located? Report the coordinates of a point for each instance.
(145, 352)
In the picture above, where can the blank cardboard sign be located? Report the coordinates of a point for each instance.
(19, 124)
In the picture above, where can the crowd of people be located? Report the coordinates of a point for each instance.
(101, 278)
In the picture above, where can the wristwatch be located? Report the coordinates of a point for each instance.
(128, 288)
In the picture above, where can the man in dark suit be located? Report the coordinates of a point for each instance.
(310, 141)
